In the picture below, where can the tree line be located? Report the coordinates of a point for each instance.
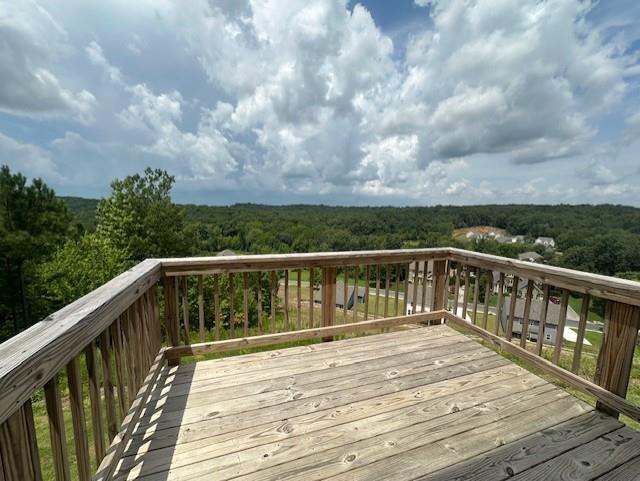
(54, 250)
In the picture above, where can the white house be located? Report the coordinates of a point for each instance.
(546, 242)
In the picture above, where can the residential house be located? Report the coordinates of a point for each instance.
(546, 242)
(421, 269)
(340, 298)
(535, 312)
(521, 288)
(413, 307)
(530, 256)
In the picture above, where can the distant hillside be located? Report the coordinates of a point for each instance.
(83, 210)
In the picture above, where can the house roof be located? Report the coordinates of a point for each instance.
(545, 239)
(553, 311)
(226, 252)
(529, 256)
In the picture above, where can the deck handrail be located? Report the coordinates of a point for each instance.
(122, 320)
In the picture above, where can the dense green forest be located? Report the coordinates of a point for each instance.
(55, 249)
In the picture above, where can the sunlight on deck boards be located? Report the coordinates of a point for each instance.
(426, 403)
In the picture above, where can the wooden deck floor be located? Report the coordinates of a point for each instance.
(427, 403)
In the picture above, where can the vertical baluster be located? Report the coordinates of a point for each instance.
(616, 355)
(107, 383)
(185, 310)
(345, 294)
(406, 289)
(130, 359)
(232, 307)
(171, 311)
(60, 457)
(311, 298)
(526, 315)
(414, 292)
(286, 300)
(423, 302)
(386, 290)
(201, 308)
(499, 305)
(19, 456)
(440, 287)
(376, 307)
(116, 335)
(487, 300)
(216, 305)
(356, 278)
(543, 319)
(136, 351)
(245, 302)
(476, 294)
(366, 292)
(328, 298)
(299, 300)
(94, 398)
(465, 299)
(78, 418)
(274, 301)
(259, 300)
(396, 310)
(582, 327)
(564, 303)
(456, 290)
(512, 307)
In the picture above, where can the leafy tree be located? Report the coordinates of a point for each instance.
(140, 218)
(79, 267)
(33, 223)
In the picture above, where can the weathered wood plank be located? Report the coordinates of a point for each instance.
(396, 299)
(57, 435)
(315, 333)
(217, 315)
(109, 463)
(259, 301)
(231, 420)
(245, 301)
(376, 307)
(171, 311)
(543, 319)
(19, 455)
(311, 288)
(95, 400)
(201, 326)
(603, 395)
(487, 299)
(356, 276)
(429, 416)
(456, 290)
(476, 294)
(615, 358)
(395, 454)
(220, 264)
(387, 282)
(605, 287)
(328, 298)
(231, 294)
(505, 461)
(399, 408)
(367, 274)
(628, 471)
(500, 305)
(76, 404)
(118, 349)
(107, 383)
(465, 300)
(185, 310)
(512, 308)
(286, 301)
(562, 319)
(239, 370)
(299, 300)
(295, 382)
(527, 314)
(589, 460)
(34, 356)
(273, 302)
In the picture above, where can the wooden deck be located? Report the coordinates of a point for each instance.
(426, 403)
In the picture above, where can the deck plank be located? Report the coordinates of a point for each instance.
(425, 403)
(514, 458)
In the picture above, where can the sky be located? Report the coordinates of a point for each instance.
(376, 102)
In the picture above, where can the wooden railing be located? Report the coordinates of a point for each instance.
(98, 357)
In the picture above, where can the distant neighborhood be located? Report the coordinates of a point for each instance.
(544, 244)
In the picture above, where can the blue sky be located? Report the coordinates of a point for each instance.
(361, 103)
